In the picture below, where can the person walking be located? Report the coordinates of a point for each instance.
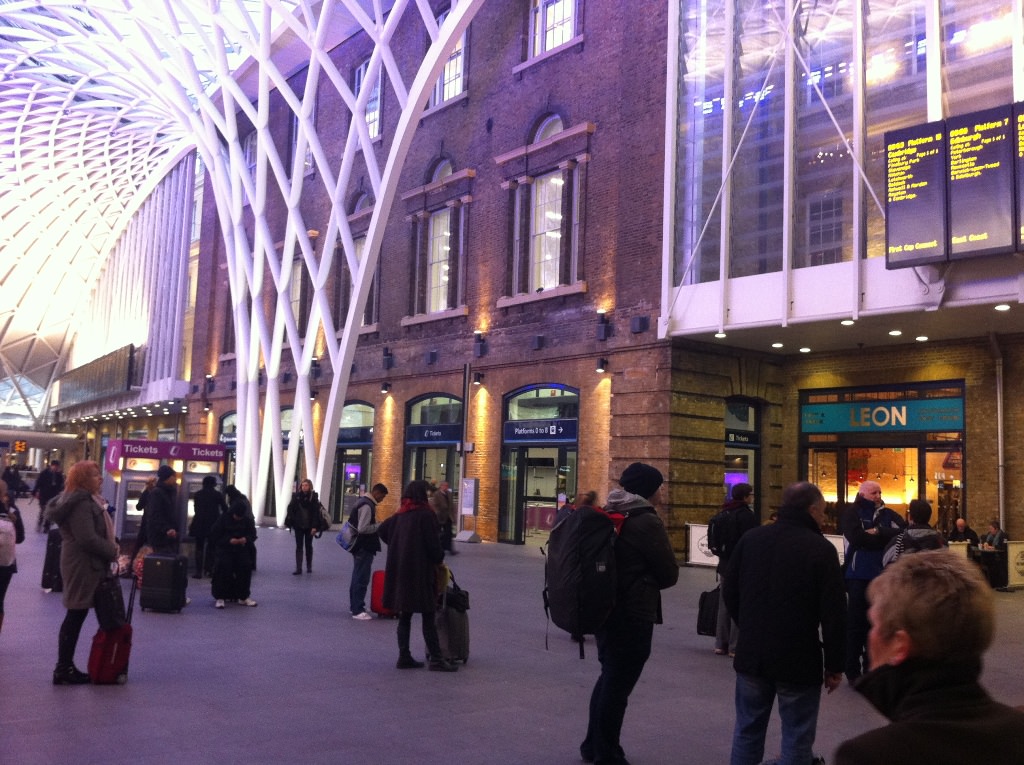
(363, 517)
(303, 518)
(49, 483)
(87, 550)
(208, 506)
(867, 526)
(233, 537)
(410, 574)
(932, 618)
(14, 535)
(784, 588)
(645, 565)
(739, 506)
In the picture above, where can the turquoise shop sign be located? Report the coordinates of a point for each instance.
(937, 414)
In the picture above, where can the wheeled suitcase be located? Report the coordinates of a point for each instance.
(111, 649)
(164, 581)
(52, 581)
(377, 596)
(707, 613)
(452, 622)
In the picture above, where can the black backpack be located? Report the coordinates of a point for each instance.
(579, 572)
(723, 532)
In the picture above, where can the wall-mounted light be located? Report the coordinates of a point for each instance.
(385, 387)
(478, 378)
(312, 395)
(479, 344)
(602, 366)
(314, 368)
(206, 406)
(604, 327)
(536, 342)
(430, 357)
(389, 360)
(286, 377)
(211, 384)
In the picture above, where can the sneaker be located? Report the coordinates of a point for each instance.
(219, 603)
(248, 602)
(363, 616)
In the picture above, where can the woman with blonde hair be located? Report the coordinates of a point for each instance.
(88, 548)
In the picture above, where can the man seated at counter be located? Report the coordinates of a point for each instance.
(963, 533)
(996, 537)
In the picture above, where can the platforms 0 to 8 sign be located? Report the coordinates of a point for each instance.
(981, 183)
(915, 174)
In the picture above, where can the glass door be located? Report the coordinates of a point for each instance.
(535, 479)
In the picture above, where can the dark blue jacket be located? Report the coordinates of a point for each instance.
(864, 551)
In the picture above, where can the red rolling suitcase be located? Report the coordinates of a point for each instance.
(377, 596)
(111, 649)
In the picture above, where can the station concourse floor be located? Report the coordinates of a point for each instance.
(296, 680)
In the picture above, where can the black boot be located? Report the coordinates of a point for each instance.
(442, 665)
(406, 661)
(298, 563)
(69, 675)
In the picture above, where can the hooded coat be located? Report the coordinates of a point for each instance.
(414, 552)
(87, 545)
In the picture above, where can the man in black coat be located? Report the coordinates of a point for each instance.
(49, 484)
(160, 517)
(782, 585)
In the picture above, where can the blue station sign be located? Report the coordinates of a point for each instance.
(541, 431)
(433, 434)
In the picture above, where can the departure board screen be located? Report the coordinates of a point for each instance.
(1018, 116)
(981, 178)
(915, 201)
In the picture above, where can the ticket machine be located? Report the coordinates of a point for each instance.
(129, 464)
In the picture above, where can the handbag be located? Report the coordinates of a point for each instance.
(109, 604)
(325, 519)
(455, 597)
(347, 536)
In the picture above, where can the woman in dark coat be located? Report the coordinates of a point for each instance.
(303, 518)
(410, 574)
(87, 550)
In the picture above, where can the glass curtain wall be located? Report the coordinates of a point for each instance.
(782, 111)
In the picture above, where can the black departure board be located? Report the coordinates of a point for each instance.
(981, 182)
(915, 199)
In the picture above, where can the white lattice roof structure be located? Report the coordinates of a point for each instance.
(98, 100)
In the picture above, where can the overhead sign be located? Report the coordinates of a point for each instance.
(161, 450)
(542, 431)
(433, 434)
(937, 414)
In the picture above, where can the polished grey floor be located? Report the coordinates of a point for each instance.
(296, 680)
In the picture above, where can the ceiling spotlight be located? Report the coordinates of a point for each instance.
(805, 349)
(719, 335)
(1002, 307)
(847, 322)
(922, 338)
(895, 332)
(776, 345)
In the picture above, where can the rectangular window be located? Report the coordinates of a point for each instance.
(438, 267)
(307, 156)
(825, 231)
(553, 24)
(546, 232)
(373, 102)
(298, 293)
(452, 80)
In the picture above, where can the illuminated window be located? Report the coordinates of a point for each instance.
(452, 80)
(825, 230)
(553, 23)
(307, 154)
(438, 236)
(373, 102)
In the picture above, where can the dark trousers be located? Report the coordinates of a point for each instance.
(429, 634)
(857, 627)
(204, 554)
(446, 535)
(67, 639)
(303, 538)
(232, 574)
(623, 647)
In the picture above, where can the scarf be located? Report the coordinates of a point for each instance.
(409, 505)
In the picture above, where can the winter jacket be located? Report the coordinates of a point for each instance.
(782, 584)
(209, 505)
(864, 551)
(940, 716)
(414, 552)
(364, 517)
(87, 547)
(745, 521)
(303, 512)
(644, 562)
(912, 539)
(161, 516)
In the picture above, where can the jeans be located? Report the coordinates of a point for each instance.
(798, 709)
(362, 563)
(623, 647)
(857, 627)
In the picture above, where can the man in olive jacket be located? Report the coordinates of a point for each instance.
(783, 583)
(645, 565)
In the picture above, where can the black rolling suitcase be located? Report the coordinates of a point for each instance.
(52, 581)
(707, 613)
(164, 582)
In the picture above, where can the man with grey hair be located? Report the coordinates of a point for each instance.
(867, 525)
(783, 585)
